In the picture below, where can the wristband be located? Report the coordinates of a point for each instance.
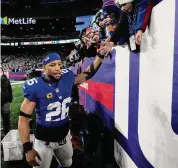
(27, 147)
(100, 55)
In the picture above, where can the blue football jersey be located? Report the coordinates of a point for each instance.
(52, 104)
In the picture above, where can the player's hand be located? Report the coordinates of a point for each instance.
(32, 156)
(139, 37)
(106, 48)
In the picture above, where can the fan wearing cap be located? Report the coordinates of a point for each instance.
(140, 10)
(116, 19)
(110, 14)
(50, 97)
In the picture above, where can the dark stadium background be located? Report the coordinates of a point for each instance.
(56, 18)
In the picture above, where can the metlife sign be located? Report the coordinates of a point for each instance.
(17, 21)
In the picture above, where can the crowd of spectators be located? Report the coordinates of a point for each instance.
(120, 22)
(20, 63)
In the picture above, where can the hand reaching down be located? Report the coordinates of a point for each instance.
(105, 48)
(139, 37)
(33, 158)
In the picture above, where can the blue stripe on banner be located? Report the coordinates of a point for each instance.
(134, 150)
(175, 78)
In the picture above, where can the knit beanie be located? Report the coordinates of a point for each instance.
(124, 1)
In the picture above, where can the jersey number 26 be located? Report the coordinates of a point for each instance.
(61, 108)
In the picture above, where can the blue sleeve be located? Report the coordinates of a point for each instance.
(143, 4)
(72, 76)
(29, 92)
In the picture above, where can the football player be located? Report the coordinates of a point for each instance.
(50, 96)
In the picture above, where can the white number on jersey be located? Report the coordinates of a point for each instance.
(64, 71)
(60, 108)
(32, 81)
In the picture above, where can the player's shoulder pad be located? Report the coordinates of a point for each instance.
(66, 72)
(30, 88)
(31, 84)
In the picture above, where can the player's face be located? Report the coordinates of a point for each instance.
(53, 69)
(127, 7)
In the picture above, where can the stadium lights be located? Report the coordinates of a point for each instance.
(39, 42)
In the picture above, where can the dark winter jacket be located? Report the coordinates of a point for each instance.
(143, 13)
(6, 90)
